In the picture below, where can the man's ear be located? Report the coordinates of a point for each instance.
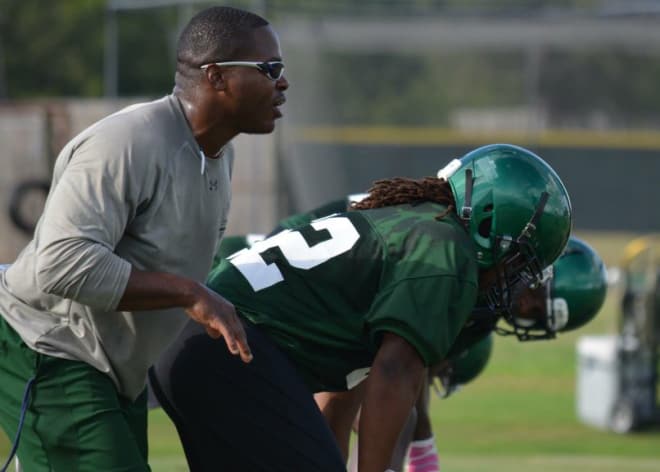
(216, 78)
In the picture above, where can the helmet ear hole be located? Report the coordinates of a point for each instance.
(485, 226)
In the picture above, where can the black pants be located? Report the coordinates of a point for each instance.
(236, 417)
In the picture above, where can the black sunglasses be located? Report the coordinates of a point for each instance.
(271, 69)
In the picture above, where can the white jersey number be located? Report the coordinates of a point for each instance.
(295, 249)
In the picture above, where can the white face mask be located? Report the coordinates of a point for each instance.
(558, 307)
(525, 322)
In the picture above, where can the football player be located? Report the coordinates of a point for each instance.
(382, 290)
(571, 297)
(417, 438)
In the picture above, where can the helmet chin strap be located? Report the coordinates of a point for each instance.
(530, 227)
(466, 210)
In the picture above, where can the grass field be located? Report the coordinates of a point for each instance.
(519, 415)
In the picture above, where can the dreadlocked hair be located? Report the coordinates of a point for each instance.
(400, 190)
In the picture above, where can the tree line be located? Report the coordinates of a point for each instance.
(56, 49)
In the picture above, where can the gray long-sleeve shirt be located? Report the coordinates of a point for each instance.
(132, 190)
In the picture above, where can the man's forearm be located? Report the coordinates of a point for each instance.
(154, 290)
(157, 290)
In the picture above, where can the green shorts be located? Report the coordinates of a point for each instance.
(76, 421)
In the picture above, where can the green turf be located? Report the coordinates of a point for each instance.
(546, 463)
(519, 415)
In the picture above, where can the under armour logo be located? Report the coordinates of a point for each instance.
(213, 185)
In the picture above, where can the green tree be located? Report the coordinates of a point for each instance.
(56, 48)
(618, 83)
(51, 48)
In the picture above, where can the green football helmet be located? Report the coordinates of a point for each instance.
(466, 366)
(516, 210)
(578, 287)
(572, 296)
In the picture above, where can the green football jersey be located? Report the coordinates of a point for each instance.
(341, 205)
(327, 291)
(299, 219)
(231, 244)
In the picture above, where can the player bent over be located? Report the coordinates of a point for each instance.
(380, 291)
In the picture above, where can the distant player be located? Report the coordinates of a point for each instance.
(375, 294)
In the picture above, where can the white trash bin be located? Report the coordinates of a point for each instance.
(598, 383)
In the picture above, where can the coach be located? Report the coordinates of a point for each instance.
(137, 205)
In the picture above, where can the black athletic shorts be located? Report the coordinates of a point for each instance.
(236, 417)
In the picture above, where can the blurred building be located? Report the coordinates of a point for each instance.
(399, 87)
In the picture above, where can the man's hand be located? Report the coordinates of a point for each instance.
(156, 290)
(218, 316)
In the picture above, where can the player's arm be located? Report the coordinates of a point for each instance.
(340, 409)
(391, 390)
